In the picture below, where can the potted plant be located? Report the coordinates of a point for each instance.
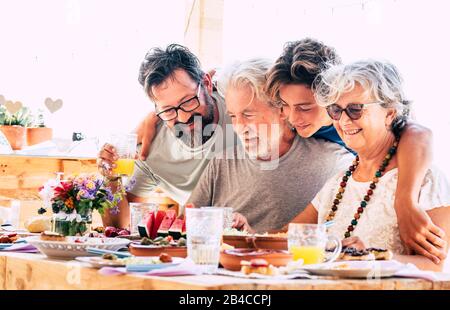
(39, 133)
(73, 201)
(14, 126)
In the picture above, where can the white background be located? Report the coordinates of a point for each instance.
(88, 52)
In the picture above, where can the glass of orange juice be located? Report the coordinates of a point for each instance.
(309, 243)
(125, 145)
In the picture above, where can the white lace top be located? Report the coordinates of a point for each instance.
(377, 226)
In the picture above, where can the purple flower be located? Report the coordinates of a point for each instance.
(109, 195)
(130, 184)
(114, 210)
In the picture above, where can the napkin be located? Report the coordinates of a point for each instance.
(21, 248)
(297, 275)
(186, 268)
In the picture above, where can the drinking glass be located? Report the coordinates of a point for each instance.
(227, 216)
(125, 145)
(204, 229)
(309, 242)
(139, 212)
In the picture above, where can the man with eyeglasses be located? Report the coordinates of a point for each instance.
(191, 130)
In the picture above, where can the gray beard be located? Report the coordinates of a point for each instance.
(199, 135)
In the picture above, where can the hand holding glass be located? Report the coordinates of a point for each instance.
(125, 145)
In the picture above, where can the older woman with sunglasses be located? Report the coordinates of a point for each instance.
(290, 83)
(366, 102)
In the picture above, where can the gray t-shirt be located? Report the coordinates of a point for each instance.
(175, 167)
(271, 198)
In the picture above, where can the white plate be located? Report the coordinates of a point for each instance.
(356, 269)
(70, 249)
(99, 262)
(138, 264)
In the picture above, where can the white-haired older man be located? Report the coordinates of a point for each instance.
(273, 174)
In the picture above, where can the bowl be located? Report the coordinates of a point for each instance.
(137, 249)
(231, 259)
(257, 242)
(75, 246)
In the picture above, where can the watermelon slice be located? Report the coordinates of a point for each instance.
(177, 228)
(166, 223)
(157, 220)
(145, 231)
(183, 230)
(142, 229)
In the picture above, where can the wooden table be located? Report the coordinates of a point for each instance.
(35, 271)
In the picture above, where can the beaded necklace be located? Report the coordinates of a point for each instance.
(372, 186)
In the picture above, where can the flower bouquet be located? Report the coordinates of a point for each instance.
(73, 200)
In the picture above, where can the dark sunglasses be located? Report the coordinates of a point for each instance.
(353, 110)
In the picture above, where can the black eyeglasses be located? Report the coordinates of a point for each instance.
(353, 110)
(186, 106)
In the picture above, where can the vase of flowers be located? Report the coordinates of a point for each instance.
(73, 201)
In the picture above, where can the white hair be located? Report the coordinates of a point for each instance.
(251, 73)
(380, 80)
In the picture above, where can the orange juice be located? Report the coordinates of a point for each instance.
(124, 166)
(309, 254)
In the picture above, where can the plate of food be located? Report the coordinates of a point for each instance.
(132, 263)
(154, 247)
(54, 245)
(356, 269)
(145, 264)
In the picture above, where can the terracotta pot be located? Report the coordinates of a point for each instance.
(154, 250)
(37, 135)
(256, 242)
(16, 136)
(231, 259)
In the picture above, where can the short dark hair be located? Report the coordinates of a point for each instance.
(159, 64)
(300, 63)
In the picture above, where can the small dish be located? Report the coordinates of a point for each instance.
(231, 259)
(355, 269)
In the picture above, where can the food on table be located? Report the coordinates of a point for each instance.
(165, 258)
(381, 254)
(109, 256)
(258, 265)
(225, 246)
(235, 232)
(166, 223)
(350, 254)
(38, 224)
(178, 228)
(52, 236)
(112, 232)
(99, 229)
(135, 260)
(163, 223)
(163, 241)
(9, 238)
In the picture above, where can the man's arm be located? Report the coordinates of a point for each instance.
(417, 231)
(144, 183)
(146, 131)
